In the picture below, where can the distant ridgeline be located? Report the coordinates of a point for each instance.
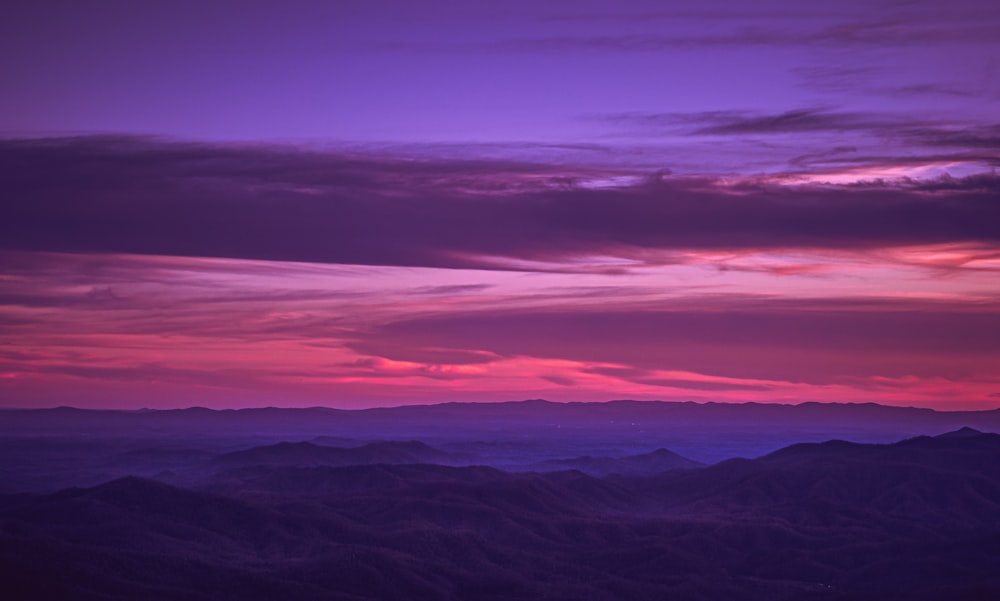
(169, 517)
(706, 432)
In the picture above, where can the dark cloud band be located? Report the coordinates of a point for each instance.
(132, 195)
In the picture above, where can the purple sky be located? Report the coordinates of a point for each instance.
(385, 202)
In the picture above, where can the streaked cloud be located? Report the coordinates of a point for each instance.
(126, 195)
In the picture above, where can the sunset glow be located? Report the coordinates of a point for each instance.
(395, 205)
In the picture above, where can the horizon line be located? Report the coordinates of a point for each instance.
(493, 403)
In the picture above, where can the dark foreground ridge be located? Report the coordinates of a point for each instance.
(914, 519)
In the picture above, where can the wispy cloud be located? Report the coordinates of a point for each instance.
(140, 196)
(696, 327)
(833, 140)
(819, 342)
(748, 31)
(796, 121)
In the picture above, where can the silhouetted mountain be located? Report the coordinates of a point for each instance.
(707, 432)
(919, 484)
(47, 464)
(963, 432)
(305, 454)
(660, 460)
(916, 519)
(963, 450)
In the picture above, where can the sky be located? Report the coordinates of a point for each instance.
(387, 202)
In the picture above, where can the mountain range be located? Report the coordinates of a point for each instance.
(918, 518)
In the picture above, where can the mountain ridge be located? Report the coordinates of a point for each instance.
(915, 519)
(521, 403)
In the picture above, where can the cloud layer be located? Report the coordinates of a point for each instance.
(271, 274)
(131, 195)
